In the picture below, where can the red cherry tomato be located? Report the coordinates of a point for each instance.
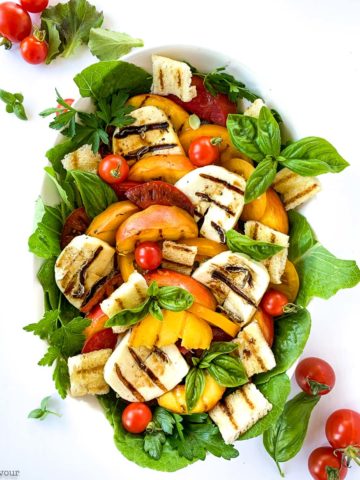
(68, 101)
(104, 339)
(136, 417)
(322, 460)
(273, 302)
(113, 169)
(204, 151)
(34, 50)
(343, 428)
(148, 255)
(15, 22)
(34, 6)
(313, 372)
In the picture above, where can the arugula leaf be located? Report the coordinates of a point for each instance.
(291, 334)
(269, 137)
(321, 273)
(219, 81)
(194, 387)
(73, 21)
(260, 179)
(103, 79)
(108, 45)
(243, 132)
(14, 103)
(313, 156)
(276, 391)
(254, 248)
(44, 242)
(284, 439)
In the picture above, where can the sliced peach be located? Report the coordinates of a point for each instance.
(255, 209)
(227, 150)
(126, 265)
(157, 222)
(290, 282)
(175, 400)
(146, 332)
(197, 333)
(206, 247)
(172, 327)
(105, 225)
(169, 278)
(266, 323)
(275, 215)
(169, 168)
(214, 318)
(177, 115)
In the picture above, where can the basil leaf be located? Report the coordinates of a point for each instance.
(228, 371)
(269, 137)
(254, 248)
(174, 298)
(284, 439)
(108, 45)
(153, 289)
(216, 349)
(304, 167)
(276, 391)
(155, 310)
(129, 316)
(260, 179)
(38, 413)
(66, 194)
(316, 151)
(291, 334)
(194, 387)
(243, 133)
(321, 273)
(45, 241)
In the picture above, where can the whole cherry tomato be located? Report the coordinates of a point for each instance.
(104, 339)
(136, 417)
(315, 376)
(343, 428)
(113, 169)
(204, 150)
(15, 22)
(324, 462)
(148, 255)
(273, 302)
(34, 6)
(34, 49)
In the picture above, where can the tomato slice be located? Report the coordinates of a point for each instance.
(102, 291)
(121, 188)
(103, 339)
(214, 109)
(75, 224)
(98, 320)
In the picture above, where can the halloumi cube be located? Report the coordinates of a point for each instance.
(87, 373)
(295, 189)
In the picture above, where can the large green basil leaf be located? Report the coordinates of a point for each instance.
(276, 391)
(174, 298)
(291, 334)
(269, 137)
(216, 349)
(254, 248)
(284, 439)
(228, 371)
(243, 133)
(260, 179)
(321, 273)
(317, 152)
(194, 387)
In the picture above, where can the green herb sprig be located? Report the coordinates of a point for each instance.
(256, 249)
(219, 81)
(42, 412)
(14, 103)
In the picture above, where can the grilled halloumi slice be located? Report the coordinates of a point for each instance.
(172, 77)
(87, 373)
(295, 189)
(178, 257)
(275, 264)
(254, 109)
(82, 159)
(239, 411)
(152, 133)
(254, 351)
(129, 295)
(218, 197)
(139, 374)
(237, 282)
(81, 265)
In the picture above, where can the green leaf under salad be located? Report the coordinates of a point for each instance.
(45, 241)
(109, 45)
(256, 249)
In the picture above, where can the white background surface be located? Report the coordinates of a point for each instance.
(308, 53)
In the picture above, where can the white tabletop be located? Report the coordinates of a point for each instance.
(309, 52)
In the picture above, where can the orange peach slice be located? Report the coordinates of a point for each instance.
(168, 168)
(275, 215)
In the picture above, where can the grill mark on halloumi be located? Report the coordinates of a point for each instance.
(256, 231)
(161, 354)
(300, 194)
(247, 399)
(161, 78)
(79, 276)
(144, 368)
(228, 412)
(224, 183)
(253, 350)
(141, 129)
(137, 154)
(206, 197)
(128, 385)
(219, 230)
(216, 274)
(85, 267)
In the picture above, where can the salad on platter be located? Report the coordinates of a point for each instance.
(176, 267)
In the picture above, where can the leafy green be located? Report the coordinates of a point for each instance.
(260, 179)
(276, 391)
(243, 131)
(103, 79)
(321, 273)
(46, 277)
(73, 21)
(174, 298)
(14, 103)
(284, 439)
(254, 248)
(228, 371)
(58, 152)
(45, 241)
(42, 412)
(269, 137)
(291, 334)
(66, 194)
(194, 387)
(219, 81)
(108, 45)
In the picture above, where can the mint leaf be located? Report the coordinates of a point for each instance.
(256, 249)
(243, 131)
(260, 179)
(269, 137)
(108, 45)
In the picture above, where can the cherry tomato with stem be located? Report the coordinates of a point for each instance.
(68, 101)
(273, 302)
(343, 428)
(136, 417)
(148, 255)
(204, 150)
(34, 6)
(98, 341)
(325, 464)
(315, 376)
(34, 48)
(113, 169)
(15, 23)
